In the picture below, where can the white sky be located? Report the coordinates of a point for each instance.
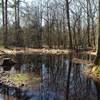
(30, 1)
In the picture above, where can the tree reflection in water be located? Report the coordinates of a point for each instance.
(60, 78)
(65, 81)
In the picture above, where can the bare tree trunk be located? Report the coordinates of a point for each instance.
(18, 26)
(5, 25)
(15, 21)
(97, 60)
(88, 21)
(64, 31)
(93, 32)
(3, 17)
(68, 22)
(75, 40)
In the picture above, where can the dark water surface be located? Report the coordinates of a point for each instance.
(60, 79)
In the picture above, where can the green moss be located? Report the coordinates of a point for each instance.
(18, 79)
(97, 71)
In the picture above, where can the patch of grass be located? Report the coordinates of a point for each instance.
(18, 78)
(26, 79)
(97, 71)
(92, 72)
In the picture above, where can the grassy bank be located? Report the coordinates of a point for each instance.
(92, 72)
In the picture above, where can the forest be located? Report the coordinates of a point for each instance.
(50, 50)
(49, 23)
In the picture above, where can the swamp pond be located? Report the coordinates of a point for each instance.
(47, 77)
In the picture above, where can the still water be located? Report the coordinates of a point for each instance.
(60, 79)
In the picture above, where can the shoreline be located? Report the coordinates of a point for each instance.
(18, 50)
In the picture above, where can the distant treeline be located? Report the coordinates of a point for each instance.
(50, 24)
